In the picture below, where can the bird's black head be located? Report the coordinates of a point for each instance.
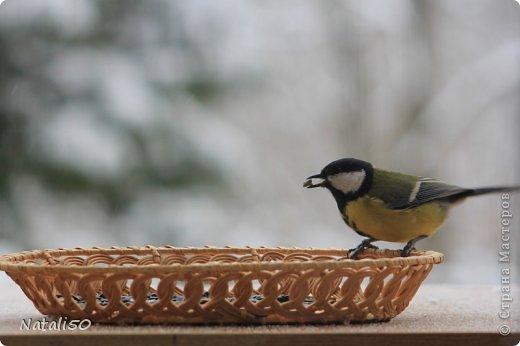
(346, 179)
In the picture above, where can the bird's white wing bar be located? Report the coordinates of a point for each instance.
(415, 190)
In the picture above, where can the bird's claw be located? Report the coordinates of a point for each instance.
(365, 244)
(406, 252)
(353, 253)
(410, 246)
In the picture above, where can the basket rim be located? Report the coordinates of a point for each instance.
(8, 262)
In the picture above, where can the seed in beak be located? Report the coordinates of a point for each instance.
(308, 183)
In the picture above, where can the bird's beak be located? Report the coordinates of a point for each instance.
(308, 182)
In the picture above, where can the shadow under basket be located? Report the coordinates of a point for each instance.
(219, 285)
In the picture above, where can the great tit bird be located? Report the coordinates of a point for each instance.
(390, 206)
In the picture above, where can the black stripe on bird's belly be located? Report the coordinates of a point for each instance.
(351, 223)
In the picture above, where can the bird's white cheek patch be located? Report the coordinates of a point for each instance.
(348, 181)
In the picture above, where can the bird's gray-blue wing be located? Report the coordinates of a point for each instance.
(427, 190)
(401, 191)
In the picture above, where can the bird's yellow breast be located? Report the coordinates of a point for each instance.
(371, 217)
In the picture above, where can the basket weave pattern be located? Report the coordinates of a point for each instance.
(218, 285)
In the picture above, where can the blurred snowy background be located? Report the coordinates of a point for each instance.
(195, 122)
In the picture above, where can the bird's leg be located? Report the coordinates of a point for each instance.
(366, 243)
(410, 246)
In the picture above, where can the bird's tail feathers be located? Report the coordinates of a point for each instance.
(485, 190)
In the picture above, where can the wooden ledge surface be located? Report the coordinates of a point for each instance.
(438, 315)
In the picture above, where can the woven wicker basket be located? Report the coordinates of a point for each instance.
(218, 285)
